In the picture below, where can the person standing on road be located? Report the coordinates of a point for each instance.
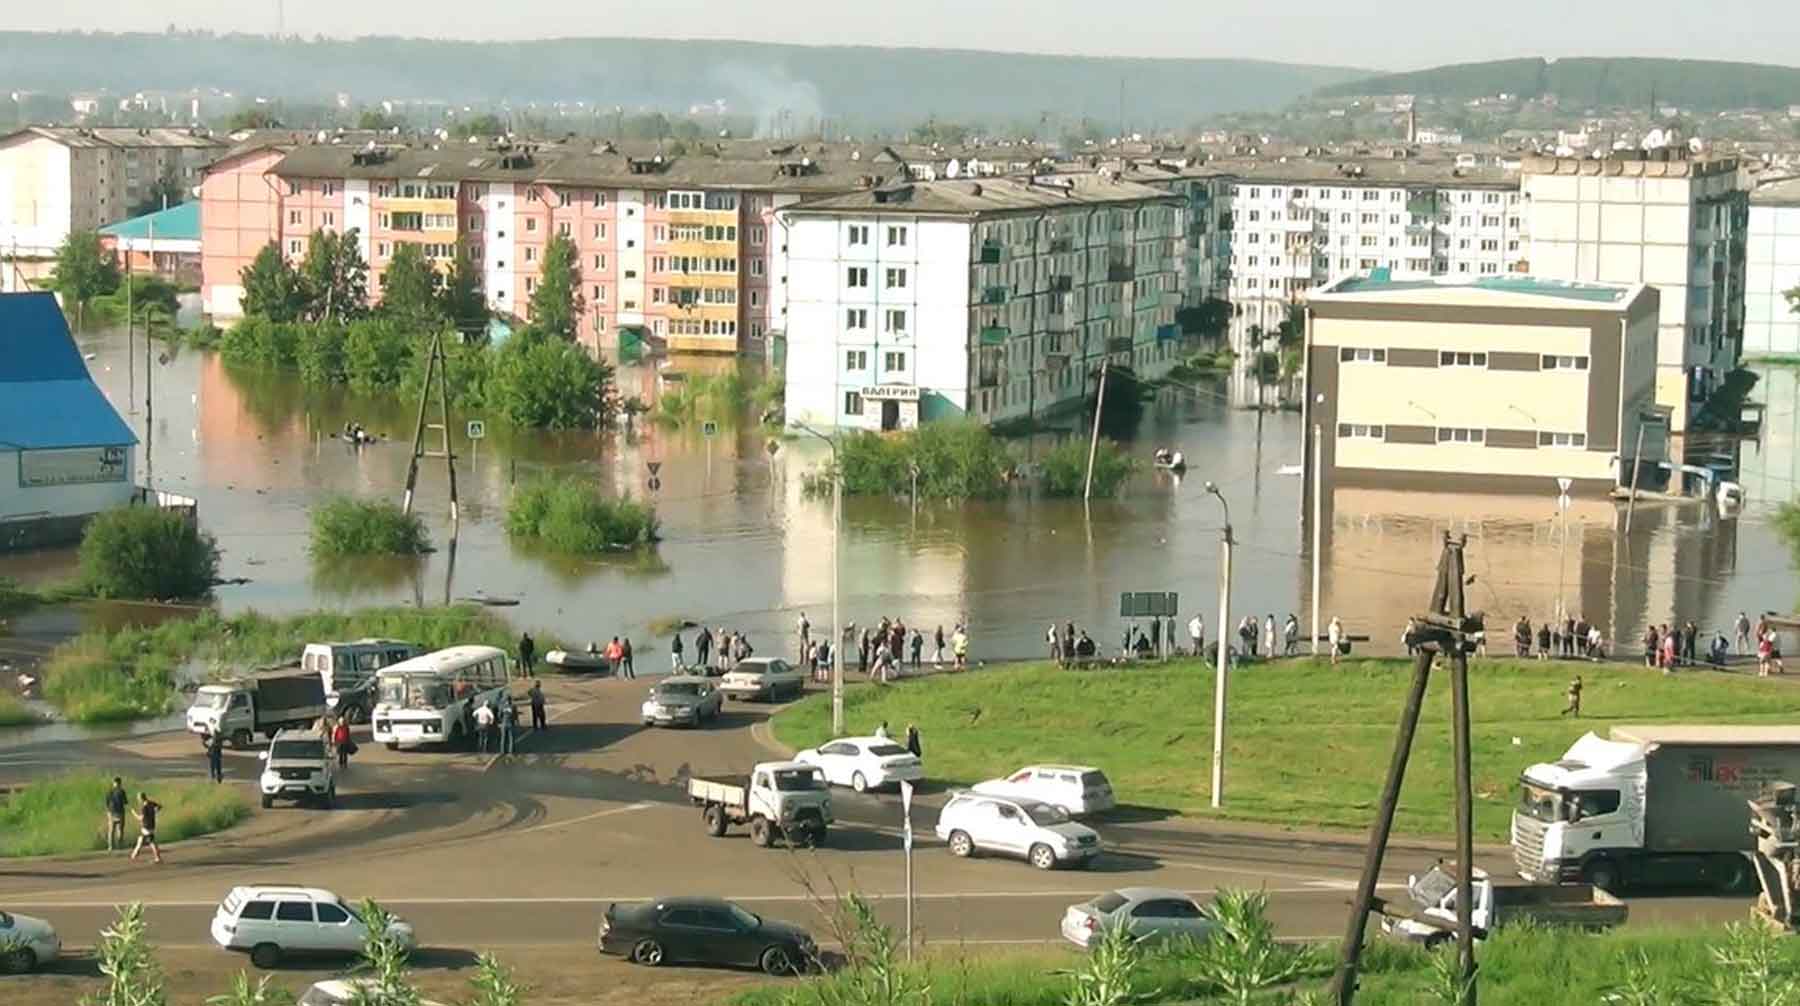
(340, 739)
(527, 651)
(625, 659)
(918, 650)
(146, 816)
(675, 653)
(509, 723)
(484, 727)
(912, 741)
(1290, 635)
(615, 655)
(1197, 635)
(536, 694)
(215, 757)
(702, 647)
(1054, 638)
(115, 814)
(1742, 625)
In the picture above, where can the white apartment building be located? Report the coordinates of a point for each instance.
(1658, 217)
(58, 179)
(1772, 268)
(994, 299)
(1298, 226)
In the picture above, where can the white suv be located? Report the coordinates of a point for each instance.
(1042, 833)
(1078, 789)
(273, 922)
(298, 766)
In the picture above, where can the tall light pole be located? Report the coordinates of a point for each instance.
(1313, 484)
(837, 626)
(1218, 752)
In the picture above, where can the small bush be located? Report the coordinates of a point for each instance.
(955, 461)
(568, 516)
(88, 683)
(67, 814)
(145, 553)
(547, 383)
(345, 526)
(377, 353)
(1065, 468)
(13, 712)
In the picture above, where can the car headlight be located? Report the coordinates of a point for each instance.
(432, 728)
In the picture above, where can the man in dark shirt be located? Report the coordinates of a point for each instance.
(146, 815)
(115, 815)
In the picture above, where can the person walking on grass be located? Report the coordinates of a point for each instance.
(1543, 640)
(1197, 635)
(1671, 655)
(538, 720)
(918, 650)
(937, 658)
(146, 817)
(215, 757)
(527, 652)
(1334, 634)
(1574, 697)
(1054, 638)
(959, 643)
(116, 801)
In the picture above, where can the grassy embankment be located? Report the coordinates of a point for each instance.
(1518, 967)
(126, 674)
(1307, 744)
(67, 814)
(13, 712)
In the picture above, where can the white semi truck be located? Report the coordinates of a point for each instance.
(1650, 806)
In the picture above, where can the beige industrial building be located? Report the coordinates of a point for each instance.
(1503, 384)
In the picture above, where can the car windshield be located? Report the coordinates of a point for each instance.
(213, 700)
(1045, 815)
(678, 688)
(887, 750)
(1094, 780)
(298, 750)
(796, 780)
(748, 920)
(415, 691)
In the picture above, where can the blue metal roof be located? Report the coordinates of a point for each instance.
(180, 222)
(47, 399)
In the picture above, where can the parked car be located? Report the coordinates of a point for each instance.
(26, 943)
(765, 678)
(275, 922)
(682, 699)
(342, 992)
(704, 931)
(863, 763)
(298, 766)
(1042, 833)
(1078, 789)
(1147, 913)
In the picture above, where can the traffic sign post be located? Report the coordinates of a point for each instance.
(477, 431)
(654, 483)
(906, 840)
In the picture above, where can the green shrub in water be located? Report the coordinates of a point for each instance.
(566, 515)
(146, 553)
(345, 526)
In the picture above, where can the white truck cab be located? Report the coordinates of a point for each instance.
(1591, 799)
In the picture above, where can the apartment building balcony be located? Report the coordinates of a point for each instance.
(1103, 311)
(993, 295)
(1061, 245)
(1062, 284)
(1171, 298)
(1148, 300)
(1168, 333)
(994, 335)
(1060, 321)
(1304, 225)
(1119, 344)
(989, 254)
(1120, 270)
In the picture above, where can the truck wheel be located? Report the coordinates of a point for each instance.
(1604, 874)
(267, 801)
(1730, 874)
(760, 832)
(241, 738)
(19, 960)
(1436, 940)
(715, 821)
(649, 953)
(265, 955)
(1043, 857)
(393, 745)
(961, 845)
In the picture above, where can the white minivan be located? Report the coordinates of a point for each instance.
(273, 922)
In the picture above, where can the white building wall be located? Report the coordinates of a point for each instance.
(632, 295)
(497, 209)
(1771, 328)
(18, 501)
(36, 194)
(356, 214)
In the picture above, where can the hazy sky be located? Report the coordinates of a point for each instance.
(1378, 34)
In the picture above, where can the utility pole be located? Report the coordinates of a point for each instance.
(1446, 629)
(130, 340)
(1637, 465)
(1313, 484)
(435, 366)
(1087, 487)
(1223, 659)
(149, 400)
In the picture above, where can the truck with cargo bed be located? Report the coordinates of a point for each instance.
(1650, 806)
(1497, 902)
(265, 703)
(776, 799)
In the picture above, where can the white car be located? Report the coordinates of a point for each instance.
(1078, 789)
(342, 992)
(766, 678)
(274, 922)
(1147, 913)
(864, 763)
(26, 943)
(1043, 834)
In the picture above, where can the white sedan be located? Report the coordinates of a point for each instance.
(1147, 913)
(864, 763)
(1078, 789)
(26, 943)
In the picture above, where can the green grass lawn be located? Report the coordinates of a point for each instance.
(67, 814)
(1307, 744)
(13, 712)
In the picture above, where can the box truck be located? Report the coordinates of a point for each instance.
(264, 704)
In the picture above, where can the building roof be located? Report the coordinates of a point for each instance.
(180, 222)
(980, 196)
(121, 137)
(1355, 172)
(42, 375)
(1488, 291)
(1777, 192)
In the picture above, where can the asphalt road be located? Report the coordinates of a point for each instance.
(525, 852)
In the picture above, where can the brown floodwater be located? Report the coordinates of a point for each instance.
(745, 548)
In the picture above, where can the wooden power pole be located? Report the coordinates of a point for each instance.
(436, 366)
(1446, 629)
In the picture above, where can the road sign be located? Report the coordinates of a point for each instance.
(772, 446)
(477, 429)
(906, 795)
(1148, 604)
(654, 466)
(653, 484)
(709, 429)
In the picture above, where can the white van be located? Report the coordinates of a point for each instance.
(347, 671)
(275, 922)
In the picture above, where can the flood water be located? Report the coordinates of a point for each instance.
(745, 548)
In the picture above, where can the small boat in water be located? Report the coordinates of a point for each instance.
(1169, 461)
(577, 661)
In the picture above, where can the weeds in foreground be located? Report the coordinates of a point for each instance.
(244, 992)
(383, 980)
(494, 984)
(1754, 966)
(1110, 975)
(1241, 957)
(128, 962)
(1448, 987)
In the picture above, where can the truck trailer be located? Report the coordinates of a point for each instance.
(1650, 806)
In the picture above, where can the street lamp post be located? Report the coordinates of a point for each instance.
(1224, 644)
(837, 626)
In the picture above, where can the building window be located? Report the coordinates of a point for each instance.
(1449, 359)
(656, 294)
(295, 247)
(1574, 440)
(859, 235)
(530, 284)
(896, 321)
(756, 267)
(382, 249)
(474, 222)
(1565, 363)
(599, 199)
(530, 224)
(293, 188)
(530, 254)
(896, 279)
(853, 403)
(891, 362)
(856, 359)
(856, 318)
(563, 229)
(1460, 435)
(1353, 354)
(1362, 431)
(896, 237)
(758, 235)
(599, 263)
(856, 277)
(659, 234)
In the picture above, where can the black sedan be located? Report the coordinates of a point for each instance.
(704, 931)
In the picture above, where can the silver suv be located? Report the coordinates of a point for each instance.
(298, 766)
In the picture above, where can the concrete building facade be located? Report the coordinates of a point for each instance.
(994, 299)
(1502, 384)
(1772, 268)
(58, 179)
(1656, 217)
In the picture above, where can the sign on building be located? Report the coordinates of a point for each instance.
(1148, 604)
(71, 466)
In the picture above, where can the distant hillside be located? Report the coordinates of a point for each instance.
(1689, 83)
(853, 85)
